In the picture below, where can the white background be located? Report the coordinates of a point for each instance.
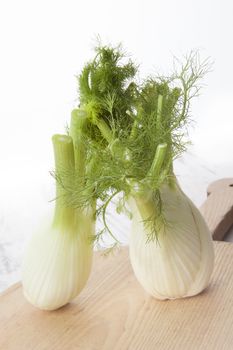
(44, 44)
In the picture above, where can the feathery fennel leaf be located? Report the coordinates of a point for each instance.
(132, 131)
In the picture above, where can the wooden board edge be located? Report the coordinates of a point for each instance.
(11, 289)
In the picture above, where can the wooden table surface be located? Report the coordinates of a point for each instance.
(114, 312)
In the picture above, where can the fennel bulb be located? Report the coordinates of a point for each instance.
(180, 261)
(57, 265)
(58, 260)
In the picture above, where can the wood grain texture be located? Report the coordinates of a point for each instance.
(114, 313)
(218, 208)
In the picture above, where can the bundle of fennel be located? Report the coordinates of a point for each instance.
(123, 138)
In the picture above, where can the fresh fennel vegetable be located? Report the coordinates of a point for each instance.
(133, 133)
(123, 138)
(58, 260)
(180, 263)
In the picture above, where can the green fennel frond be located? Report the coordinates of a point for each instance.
(132, 131)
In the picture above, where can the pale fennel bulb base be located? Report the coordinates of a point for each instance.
(180, 263)
(56, 268)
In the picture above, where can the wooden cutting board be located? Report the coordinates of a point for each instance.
(113, 312)
(218, 208)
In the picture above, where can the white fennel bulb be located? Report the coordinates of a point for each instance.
(57, 265)
(179, 262)
(58, 259)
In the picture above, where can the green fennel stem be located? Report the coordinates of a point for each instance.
(134, 130)
(64, 169)
(78, 121)
(158, 161)
(115, 145)
(105, 130)
(159, 111)
(145, 205)
(89, 188)
(149, 209)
